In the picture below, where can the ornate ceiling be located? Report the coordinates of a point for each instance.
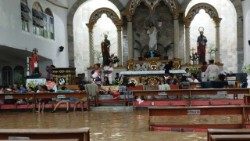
(69, 3)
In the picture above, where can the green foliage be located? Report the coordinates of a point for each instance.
(246, 69)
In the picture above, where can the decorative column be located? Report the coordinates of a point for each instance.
(130, 38)
(187, 45)
(91, 45)
(119, 42)
(176, 38)
(217, 35)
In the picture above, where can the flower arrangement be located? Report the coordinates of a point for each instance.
(194, 70)
(114, 59)
(194, 57)
(212, 51)
(246, 69)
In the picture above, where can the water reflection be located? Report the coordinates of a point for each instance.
(106, 124)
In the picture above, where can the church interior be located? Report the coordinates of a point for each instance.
(107, 70)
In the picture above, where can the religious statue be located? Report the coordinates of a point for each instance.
(152, 32)
(201, 46)
(33, 61)
(105, 45)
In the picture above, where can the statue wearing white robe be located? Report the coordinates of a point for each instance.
(152, 32)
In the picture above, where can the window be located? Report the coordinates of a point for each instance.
(7, 75)
(25, 17)
(19, 75)
(38, 19)
(49, 24)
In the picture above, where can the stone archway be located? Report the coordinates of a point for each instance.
(93, 19)
(212, 12)
(239, 11)
(70, 17)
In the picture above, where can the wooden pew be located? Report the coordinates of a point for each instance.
(189, 94)
(230, 137)
(212, 132)
(36, 96)
(81, 134)
(160, 113)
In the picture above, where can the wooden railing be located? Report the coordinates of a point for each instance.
(80, 134)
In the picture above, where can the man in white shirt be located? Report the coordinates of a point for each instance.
(212, 71)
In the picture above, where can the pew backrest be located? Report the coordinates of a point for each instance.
(211, 132)
(81, 134)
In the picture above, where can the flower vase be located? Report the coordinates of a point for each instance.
(115, 64)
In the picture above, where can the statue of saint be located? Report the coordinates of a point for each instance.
(201, 46)
(105, 45)
(33, 61)
(152, 32)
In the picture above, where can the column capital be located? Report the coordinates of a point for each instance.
(129, 18)
(176, 16)
(90, 26)
(217, 21)
(119, 28)
(187, 23)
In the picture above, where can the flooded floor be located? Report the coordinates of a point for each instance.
(106, 124)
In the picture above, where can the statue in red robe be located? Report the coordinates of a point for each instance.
(201, 47)
(33, 61)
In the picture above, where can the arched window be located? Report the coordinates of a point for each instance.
(25, 17)
(49, 24)
(38, 19)
(19, 75)
(7, 76)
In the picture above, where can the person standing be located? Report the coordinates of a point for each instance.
(105, 45)
(201, 46)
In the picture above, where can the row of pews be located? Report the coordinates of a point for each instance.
(187, 107)
(190, 97)
(35, 97)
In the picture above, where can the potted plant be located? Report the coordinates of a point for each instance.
(246, 69)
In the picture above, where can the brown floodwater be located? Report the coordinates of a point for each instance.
(106, 123)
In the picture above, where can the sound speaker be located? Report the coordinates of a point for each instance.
(61, 48)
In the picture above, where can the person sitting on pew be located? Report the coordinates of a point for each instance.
(64, 100)
(43, 101)
(193, 79)
(212, 71)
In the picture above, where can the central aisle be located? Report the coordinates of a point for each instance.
(106, 123)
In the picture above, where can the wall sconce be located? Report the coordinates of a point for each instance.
(61, 48)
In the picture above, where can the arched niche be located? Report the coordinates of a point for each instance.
(213, 13)
(98, 13)
(174, 8)
(93, 19)
(237, 6)
(70, 30)
(209, 9)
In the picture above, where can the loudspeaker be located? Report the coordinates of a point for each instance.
(61, 48)
(249, 42)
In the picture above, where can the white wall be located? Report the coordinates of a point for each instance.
(246, 14)
(11, 33)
